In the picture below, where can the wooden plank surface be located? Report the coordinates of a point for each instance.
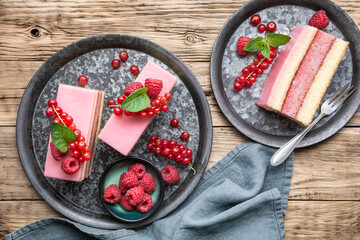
(325, 190)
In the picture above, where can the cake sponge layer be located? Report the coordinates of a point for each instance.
(321, 82)
(285, 67)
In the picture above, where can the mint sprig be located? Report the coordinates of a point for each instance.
(263, 44)
(61, 136)
(137, 101)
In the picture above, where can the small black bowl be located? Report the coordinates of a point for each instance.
(111, 175)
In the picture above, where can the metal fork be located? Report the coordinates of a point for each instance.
(327, 108)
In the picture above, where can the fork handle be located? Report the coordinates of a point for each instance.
(289, 147)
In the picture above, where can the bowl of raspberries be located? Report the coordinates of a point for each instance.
(131, 189)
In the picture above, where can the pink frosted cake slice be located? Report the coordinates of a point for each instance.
(295, 86)
(285, 67)
(123, 132)
(85, 106)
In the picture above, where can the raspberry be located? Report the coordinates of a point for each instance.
(145, 204)
(56, 153)
(132, 87)
(122, 188)
(128, 179)
(154, 87)
(319, 20)
(125, 204)
(112, 194)
(70, 165)
(170, 175)
(135, 195)
(138, 169)
(241, 44)
(147, 183)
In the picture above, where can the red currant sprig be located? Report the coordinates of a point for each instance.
(171, 150)
(252, 71)
(79, 148)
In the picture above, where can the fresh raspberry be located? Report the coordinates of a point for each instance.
(70, 165)
(154, 87)
(112, 194)
(145, 204)
(56, 153)
(125, 204)
(132, 87)
(319, 20)
(147, 183)
(139, 170)
(128, 179)
(241, 44)
(135, 195)
(122, 188)
(170, 175)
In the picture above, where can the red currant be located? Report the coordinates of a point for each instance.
(72, 146)
(172, 144)
(165, 152)
(269, 60)
(115, 63)
(259, 71)
(259, 55)
(255, 20)
(164, 143)
(178, 159)
(150, 114)
(261, 28)
(238, 86)
(118, 111)
(157, 102)
(50, 112)
(121, 99)
(72, 126)
(183, 153)
(81, 145)
(273, 54)
(77, 133)
(150, 145)
(81, 139)
(185, 161)
(63, 115)
(254, 75)
(111, 102)
(252, 79)
(175, 151)
(76, 153)
(245, 71)
(152, 139)
(189, 153)
(170, 156)
(168, 96)
(174, 122)
(82, 80)
(134, 69)
(271, 26)
(157, 150)
(165, 108)
(143, 115)
(181, 147)
(123, 56)
(68, 120)
(247, 84)
(256, 61)
(157, 111)
(52, 102)
(86, 156)
(127, 113)
(57, 120)
(264, 65)
(252, 67)
(87, 148)
(81, 160)
(273, 48)
(58, 110)
(185, 136)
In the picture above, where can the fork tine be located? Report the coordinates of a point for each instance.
(337, 93)
(346, 97)
(335, 101)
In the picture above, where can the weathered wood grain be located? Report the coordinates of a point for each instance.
(326, 171)
(304, 220)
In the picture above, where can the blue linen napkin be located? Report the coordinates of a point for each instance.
(240, 197)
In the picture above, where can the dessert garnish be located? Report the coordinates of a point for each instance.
(171, 150)
(112, 194)
(123, 56)
(174, 122)
(319, 20)
(115, 63)
(82, 80)
(170, 175)
(134, 69)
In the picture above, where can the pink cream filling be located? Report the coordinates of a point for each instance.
(306, 73)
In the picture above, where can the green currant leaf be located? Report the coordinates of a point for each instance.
(137, 101)
(265, 50)
(61, 136)
(276, 40)
(254, 45)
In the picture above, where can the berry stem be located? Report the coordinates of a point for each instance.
(256, 66)
(57, 114)
(192, 168)
(118, 105)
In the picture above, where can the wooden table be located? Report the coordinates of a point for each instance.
(325, 190)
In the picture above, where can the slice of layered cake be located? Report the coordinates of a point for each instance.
(85, 107)
(301, 74)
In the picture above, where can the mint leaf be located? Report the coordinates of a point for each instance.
(265, 50)
(254, 45)
(137, 101)
(276, 40)
(61, 136)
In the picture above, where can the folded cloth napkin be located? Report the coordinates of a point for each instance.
(240, 197)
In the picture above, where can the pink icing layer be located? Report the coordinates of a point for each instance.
(78, 103)
(306, 73)
(272, 81)
(123, 132)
